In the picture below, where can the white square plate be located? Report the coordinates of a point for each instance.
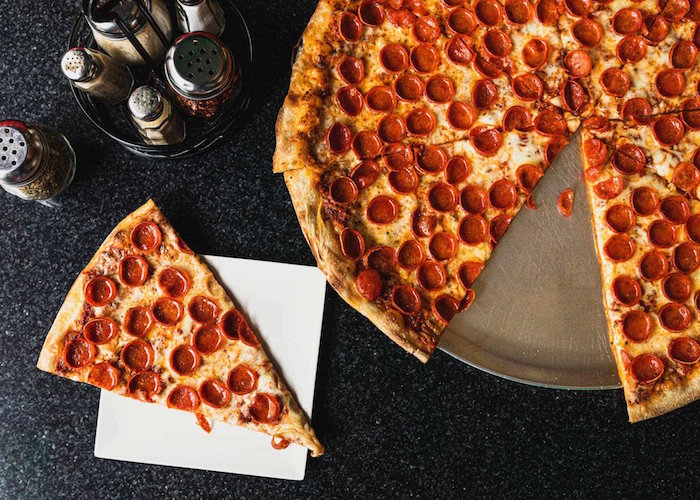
(284, 303)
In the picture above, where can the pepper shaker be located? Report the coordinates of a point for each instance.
(200, 15)
(36, 162)
(97, 74)
(156, 119)
(202, 74)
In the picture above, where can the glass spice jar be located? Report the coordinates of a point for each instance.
(200, 15)
(36, 162)
(102, 17)
(202, 74)
(156, 119)
(97, 74)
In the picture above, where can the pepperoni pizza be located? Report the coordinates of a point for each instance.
(147, 319)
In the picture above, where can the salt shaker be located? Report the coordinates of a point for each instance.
(156, 119)
(104, 18)
(97, 74)
(201, 74)
(200, 15)
(36, 162)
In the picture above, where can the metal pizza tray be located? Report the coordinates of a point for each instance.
(538, 314)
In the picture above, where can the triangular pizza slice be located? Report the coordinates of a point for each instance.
(146, 318)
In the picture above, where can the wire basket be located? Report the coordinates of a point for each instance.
(201, 134)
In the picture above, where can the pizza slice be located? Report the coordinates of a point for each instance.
(147, 319)
(648, 242)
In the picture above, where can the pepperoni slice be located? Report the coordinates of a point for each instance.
(675, 317)
(410, 255)
(79, 353)
(627, 21)
(670, 82)
(662, 234)
(431, 159)
(591, 174)
(144, 385)
(496, 43)
(502, 194)
(100, 291)
(406, 299)
(442, 197)
(426, 29)
(691, 113)
(338, 138)
(627, 291)
(677, 287)
(184, 360)
(398, 157)
(458, 50)
(615, 82)
(431, 276)
(265, 408)
(167, 311)
(527, 87)
(247, 335)
(473, 199)
(609, 189)
(547, 11)
(369, 284)
(578, 63)
(351, 70)
(371, 13)
(457, 170)
(684, 350)
(214, 393)
(383, 259)
(99, 330)
(445, 307)
(425, 58)
(381, 99)
(382, 210)
(468, 272)
(498, 227)
(174, 282)
(573, 95)
(366, 145)
(104, 376)
(619, 248)
(628, 159)
(365, 173)
(644, 201)
(484, 94)
(137, 355)
(518, 12)
(138, 321)
(462, 21)
(391, 129)
(565, 202)
(487, 67)
(528, 175)
(460, 115)
(423, 224)
(394, 58)
(230, 322)
(242, 380)
(675, 209)
(408, 87)
(442, 246)
(486, 141)
(439, 89)
(597, 122)
(420, 122)
(587, 32)
(631, 49)
(403, 181)
(620, 218)
(350, 27)
(668, 130)
(349, 100)
(683, 54)
(133, 270)
(655, 29)
(472, 229)
(535, 53)
(578, 8)
(488, 12)
(653, 266)
(647, 368)
(686, 257)
(207, 339)
(517, 118)
(674, 10)
(352, 244)
(146, 236)
(686, 177)
(203, 309)
(637, 325)
(595, 151)
(637, 109)
(550, 123)
(183, 398)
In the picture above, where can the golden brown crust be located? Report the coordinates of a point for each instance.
(670, 398)
(323, 240)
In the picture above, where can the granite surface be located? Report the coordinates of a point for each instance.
(391, 426)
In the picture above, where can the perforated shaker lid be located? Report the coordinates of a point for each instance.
(146, 103)
(20, 152)
(78, 64)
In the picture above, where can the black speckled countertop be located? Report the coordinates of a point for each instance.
(391, 426)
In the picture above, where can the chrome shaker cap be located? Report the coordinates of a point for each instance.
(78, 64)
(198, 65)
(146, 103)
(102, 15)
(20, 152)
